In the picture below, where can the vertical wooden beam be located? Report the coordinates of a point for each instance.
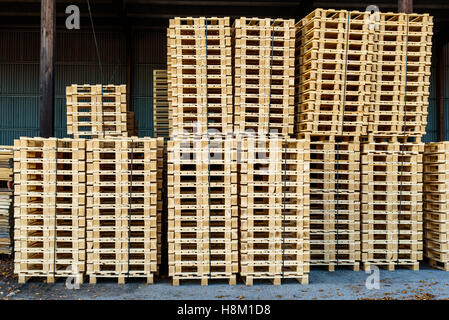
(440, 92)
(47, 64)
(405, 6)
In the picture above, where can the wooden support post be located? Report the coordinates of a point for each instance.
(47, 64)
(405, 6)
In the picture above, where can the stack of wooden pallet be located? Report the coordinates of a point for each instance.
(332, 72)
(274, 209)
(49, 203)
(332, 94)
(392, 230)
(263, 66)
(160, 104)
(401, 59)
(123, 217)
(334, 201)
(202, 209)
(392, 153)
(199, 75)
(96, 111)
(6, 175)
(436, 199)
(359, 81)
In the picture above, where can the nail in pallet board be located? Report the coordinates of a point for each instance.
(263, 75)
(199, 75)
(402, 51)
(202, 209)
(334, 201)
(49, 208)
(436, 199)
(274, 209)
(95, 111)
(392, 213)
(160, 104)
(123, 211)
(6, 172)
(332, 68)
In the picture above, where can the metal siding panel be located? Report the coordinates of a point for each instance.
(66, 75)
(19, 46)
(20, 116)
(19, 79)
(150, 47)
(143, 110)
(79, 47)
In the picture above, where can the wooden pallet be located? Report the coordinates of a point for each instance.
(401, 57)
(6, 198)
(344, 67)
(49, 208)
(334, 201)
(160, 103)
(202, 209)
(391, 212)
(332, 60)
(199, 75)
(436, 219)
(123, 208)
(97, 111)
(263, 68)
(274, 209)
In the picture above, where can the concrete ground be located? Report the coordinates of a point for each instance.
(341, 284)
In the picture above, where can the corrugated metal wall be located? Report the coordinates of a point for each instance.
(76, 62)
(149, 52)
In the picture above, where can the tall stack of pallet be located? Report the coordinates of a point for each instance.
(332, 72)
(6, 175)
(401, 59)
(392, 153)
(199, 75)
(160, 104)
(363, 80)
(332, 96)
(96, 111)
(274, 216)
(49, 208)
(123, 224)
(392, 220)
(334, 201)
(263, 67)
(436, 199)
(202, 209)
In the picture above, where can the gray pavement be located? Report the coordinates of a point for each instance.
(341, 284)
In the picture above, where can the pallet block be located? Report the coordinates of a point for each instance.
(199, 75)
(123, 208)
(6, 197)
(274, 209)
(436, 191)
(49, 208)
(202, 209)
(392, 210)
(263, 66)
(160, 104)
